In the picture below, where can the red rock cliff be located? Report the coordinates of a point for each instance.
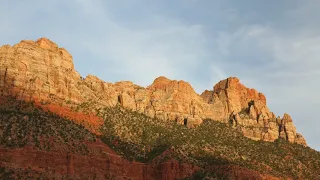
(41, 71)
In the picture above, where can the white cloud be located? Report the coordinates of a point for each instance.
(145, 53)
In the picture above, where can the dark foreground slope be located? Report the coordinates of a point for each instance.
(39, 144)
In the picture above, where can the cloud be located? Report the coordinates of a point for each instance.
(163, 50)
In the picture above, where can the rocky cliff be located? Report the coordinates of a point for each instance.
(40, 71)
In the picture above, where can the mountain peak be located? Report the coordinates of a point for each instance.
(45, 43)
(233, 84)
(163, 82)
(160, 81)
(29, 50)
(287, 117)
(41, 71)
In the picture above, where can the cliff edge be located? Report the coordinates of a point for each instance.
(42, 72)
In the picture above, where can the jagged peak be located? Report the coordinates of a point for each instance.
(163, 82)
(234, 84)
(287, 117)
(230, 82)
(91, 77)
(43, 43)
(46, 43)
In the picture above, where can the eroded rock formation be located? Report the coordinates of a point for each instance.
(247, 108)
(41, 71)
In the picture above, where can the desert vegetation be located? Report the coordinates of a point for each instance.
(138, 137)
(213, 146)
(23, 124)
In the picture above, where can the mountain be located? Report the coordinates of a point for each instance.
(57, 124)
(43, 72)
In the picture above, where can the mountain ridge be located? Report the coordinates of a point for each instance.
(40, 71)
(56, 124)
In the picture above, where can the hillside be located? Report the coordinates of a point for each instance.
(39, 144)
(212, 149)
(56, 124)
(213, 146)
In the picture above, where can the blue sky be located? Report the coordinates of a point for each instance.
(272, 46)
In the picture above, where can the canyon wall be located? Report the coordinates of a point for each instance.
(42, 72)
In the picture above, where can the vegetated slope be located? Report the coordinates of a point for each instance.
(22, 124)
(219, 149)
(38, 144)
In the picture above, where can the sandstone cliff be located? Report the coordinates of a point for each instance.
(40, 71)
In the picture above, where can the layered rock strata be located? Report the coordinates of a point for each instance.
(64, 165)
(41, 71)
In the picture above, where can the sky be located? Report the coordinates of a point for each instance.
(272, 46)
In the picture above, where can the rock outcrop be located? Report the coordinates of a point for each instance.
(248, 110)
(40, 71)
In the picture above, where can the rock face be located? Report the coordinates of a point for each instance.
(247, 109)
(59, 165)
(41, 71)
(38, 69)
